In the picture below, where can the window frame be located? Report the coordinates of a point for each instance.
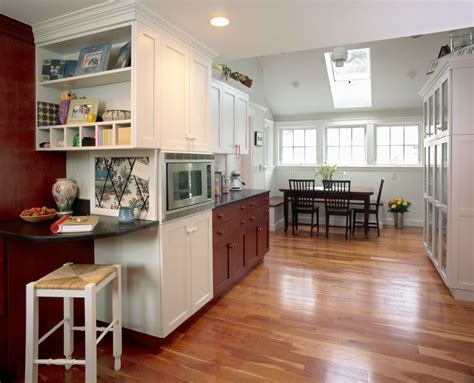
(280, 149)
(404, 125)
(339, 127)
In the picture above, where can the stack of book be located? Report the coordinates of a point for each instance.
(75, 224)
(105, 137)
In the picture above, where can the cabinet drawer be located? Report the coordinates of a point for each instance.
(226, 213)
(258, 202)
(227, 230)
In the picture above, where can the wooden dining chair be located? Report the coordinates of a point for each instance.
(337, 195)
(303, 202)
(373, 210)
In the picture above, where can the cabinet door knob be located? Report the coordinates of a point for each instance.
(242, 207)
(235, 244)
(259, 228)
(242, 222)
(251, 218)
(267, 199)
(220, 215)
(252, 204)
(220, 232)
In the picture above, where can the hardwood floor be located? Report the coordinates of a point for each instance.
(316, 310)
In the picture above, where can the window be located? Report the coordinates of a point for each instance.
(298, 146)
(351, 85)
(398, 145)
(345, 145)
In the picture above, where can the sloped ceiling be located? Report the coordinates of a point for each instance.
(393, 63)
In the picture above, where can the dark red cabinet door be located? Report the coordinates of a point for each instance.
(239, 263)
(221, 267)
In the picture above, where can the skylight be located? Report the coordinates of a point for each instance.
(351, 85)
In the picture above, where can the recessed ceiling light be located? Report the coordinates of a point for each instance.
(220, 21)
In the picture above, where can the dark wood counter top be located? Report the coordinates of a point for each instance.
(235, 196)
(40, 232)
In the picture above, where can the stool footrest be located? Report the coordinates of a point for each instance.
(60, 362)
(107, 329)
(82, 328)
(58, 325)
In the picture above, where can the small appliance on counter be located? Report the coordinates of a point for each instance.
(236, 182)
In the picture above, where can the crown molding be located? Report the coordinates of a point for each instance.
(106, 15)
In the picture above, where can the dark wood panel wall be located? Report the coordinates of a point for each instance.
(26, 177)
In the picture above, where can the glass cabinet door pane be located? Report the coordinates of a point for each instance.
(430, 170)
(444, 106)
(444, 173)
(437, 112)
(425, 166)
(444, 239)
(435, 234)
(430, 116)
(429, 227)
(425, 119)
(437, 178)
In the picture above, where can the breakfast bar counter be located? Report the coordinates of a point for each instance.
(28, 252)
(40, 232)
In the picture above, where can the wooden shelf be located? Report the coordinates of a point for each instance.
(113, 76)
(86, 124)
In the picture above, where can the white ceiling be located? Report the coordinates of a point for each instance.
(391, 62)
(263, 27)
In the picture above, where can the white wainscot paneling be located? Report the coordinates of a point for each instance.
(406, 182)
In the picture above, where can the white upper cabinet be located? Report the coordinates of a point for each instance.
(199, 105)
(242, 122)
(216, 116)
(147, 105)
(175, 96)
(230, 117)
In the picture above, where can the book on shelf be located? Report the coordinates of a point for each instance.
(78, 224)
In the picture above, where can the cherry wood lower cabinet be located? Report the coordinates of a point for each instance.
(240, 239)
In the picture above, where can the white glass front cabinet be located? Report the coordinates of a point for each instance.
(448, 165)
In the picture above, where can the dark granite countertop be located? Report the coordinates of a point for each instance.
(240, 195)
(40, 232)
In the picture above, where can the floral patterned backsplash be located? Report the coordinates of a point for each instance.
(122, 182)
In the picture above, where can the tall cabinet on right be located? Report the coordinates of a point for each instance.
(448, 109)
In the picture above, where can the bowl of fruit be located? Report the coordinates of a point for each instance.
(38, 214)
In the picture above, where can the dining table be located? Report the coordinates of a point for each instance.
(357, 194)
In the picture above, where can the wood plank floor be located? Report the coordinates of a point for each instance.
(317, 310)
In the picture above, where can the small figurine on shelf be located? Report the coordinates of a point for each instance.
(66, 97)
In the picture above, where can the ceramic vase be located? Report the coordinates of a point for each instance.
(64, 191)
(398, 219)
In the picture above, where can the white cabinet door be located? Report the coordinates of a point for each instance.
(201, 260)
(146, 119)
(175, 275)
(174, 96)
(242, 122)
(199, 107)
(228, 118)
(216, 116)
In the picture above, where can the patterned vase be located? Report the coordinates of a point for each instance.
(64, 191)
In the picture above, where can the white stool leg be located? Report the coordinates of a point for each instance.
(91, 334)
(31, 351)
(68, 331)
(117, 314)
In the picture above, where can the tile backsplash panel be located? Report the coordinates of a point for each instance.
(122, 182)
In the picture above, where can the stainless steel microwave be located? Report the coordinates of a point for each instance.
(188, 181)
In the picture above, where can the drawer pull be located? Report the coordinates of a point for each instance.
(242, 207)
(251, 218)
(267, 199)
(220, 215)
(220, 232)
(242, 222)
(231, 245)
(259, 228)
(252, 203)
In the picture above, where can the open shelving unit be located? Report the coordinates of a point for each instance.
(113, 88)
(61, 137)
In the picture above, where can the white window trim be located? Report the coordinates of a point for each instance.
(280, 144)
(351, 127)
(420, 143)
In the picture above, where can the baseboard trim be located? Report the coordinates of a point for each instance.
(277, 226)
